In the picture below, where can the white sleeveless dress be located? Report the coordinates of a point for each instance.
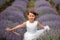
(32, 32)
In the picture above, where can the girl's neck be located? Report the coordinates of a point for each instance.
(31, 21)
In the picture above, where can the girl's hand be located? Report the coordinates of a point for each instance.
(8, 29)
(47, 27)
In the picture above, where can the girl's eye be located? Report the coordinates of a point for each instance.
(31, 16)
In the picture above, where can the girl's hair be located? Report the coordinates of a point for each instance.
(27, 13)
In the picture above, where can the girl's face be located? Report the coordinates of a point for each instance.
(31, 17)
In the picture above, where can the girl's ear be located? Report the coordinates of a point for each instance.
(27, 17)
(37, 15)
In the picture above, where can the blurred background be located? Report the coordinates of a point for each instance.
(12, 13)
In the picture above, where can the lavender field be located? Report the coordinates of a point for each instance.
(13, 15)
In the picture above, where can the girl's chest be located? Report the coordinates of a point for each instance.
(31, 25)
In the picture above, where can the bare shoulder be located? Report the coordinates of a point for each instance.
(24, 23)
(39, 23)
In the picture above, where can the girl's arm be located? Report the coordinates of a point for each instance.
(40, 25)
(18, 26)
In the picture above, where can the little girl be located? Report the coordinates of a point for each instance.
(31, 25)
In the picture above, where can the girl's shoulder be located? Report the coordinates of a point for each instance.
(27, 21)
(34, 21)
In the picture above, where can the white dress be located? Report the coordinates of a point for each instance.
(32, 32)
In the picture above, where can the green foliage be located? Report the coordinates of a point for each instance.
(4, 6)
(58, 38)
(54, 5)
(2, 38)
(51, 38)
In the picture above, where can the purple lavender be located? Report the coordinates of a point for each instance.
(42, 3)
(11, 17)
(45, 10)
(48, 17)
(53, 24)
(8, 35)
(56, 1)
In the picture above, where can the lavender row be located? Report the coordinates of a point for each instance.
(56, 1)
(8, 35)
(15, 11)
(52, 24)
(44, 7)
(20, 4)
(48, 17)
(45, 10)
(14, 16)
(40, 3)
(11, 17)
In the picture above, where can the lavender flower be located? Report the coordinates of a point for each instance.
(10, 36)
(45, 10)
(42, 3)
(48, 17)
(56, 1)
